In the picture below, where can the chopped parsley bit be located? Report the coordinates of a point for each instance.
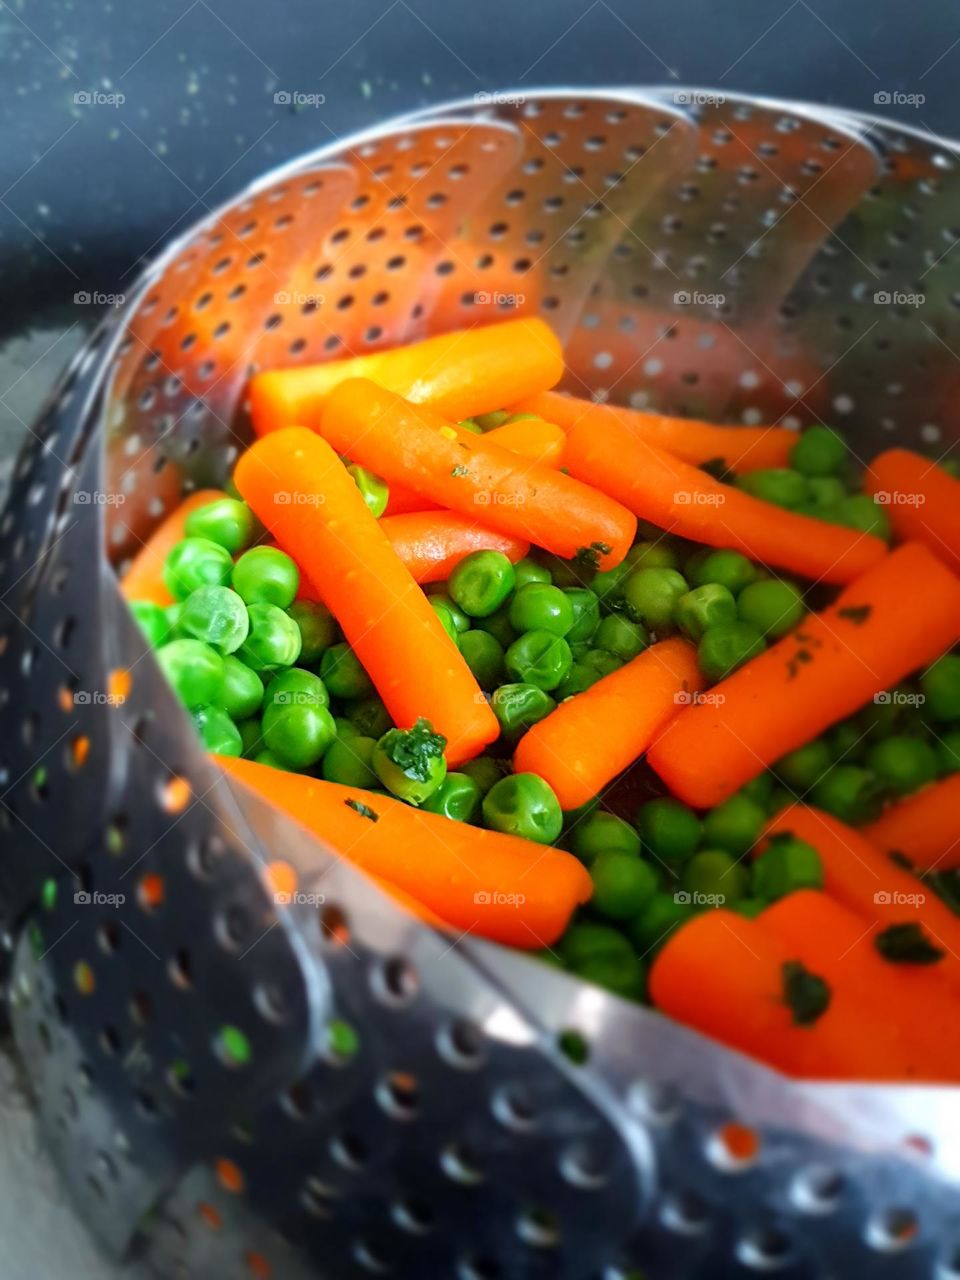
(907, 944)
(856, 613)
(459, 471)
(589, 557)
(805, 994)
(364, 810)
(797, 661)
(414, 750)
(900, 860)
(717, 467)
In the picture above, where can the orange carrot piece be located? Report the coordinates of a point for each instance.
(868, 881)
(925, 826)
(684, 500)
(143, 580)
(432, 543)
(917, 1005)
(724, 976)
(900, 615)
(410, 445)
(591, 738)
(325, 525)
(458, 374)
(741, 449)
(921, 499)
(482, 882)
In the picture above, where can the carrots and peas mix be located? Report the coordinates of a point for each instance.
(443, 610)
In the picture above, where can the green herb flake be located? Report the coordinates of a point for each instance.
(901, 860)
(414, 750)
(856, 613)
(589, 557)
(718, 469)
(907, 944)
(364, 810)
(459, 471)
(805, 994)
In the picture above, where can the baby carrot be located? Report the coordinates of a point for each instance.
(458, 374)
(867, 881)
(739, 449)
(410, 445)
(925, 826)
(921, 499)
(589, 739)
(482, 882)
(686, 501)
(898, 616)
(144, 578)
(304, 495)
(432, 543)
(734, 981)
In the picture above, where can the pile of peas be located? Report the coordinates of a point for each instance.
(270, 677)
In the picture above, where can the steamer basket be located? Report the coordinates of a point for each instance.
(740, 260)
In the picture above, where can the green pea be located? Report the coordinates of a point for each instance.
(251, 736)
(803, 768)
(196, 562)
(458, 797)
(787, 864)
(703, 607)
(820, 451)
(749, 908)
(152, 621)
(273, 639)
(217, 731)
(266, 575)
(343, 673)
(468, 424)
(481, 583)
(541, 607)
(668, 829)
(940, 684)
(348, 761)
(586, 614)
(217, 616)
(483, 654)
(578, 679)
(846, 742)
(242, 690)
(603, 833)
(374, 491)
(713, 877)
(226, 521)
(622, 884)
(948, 751)
(296, 686)
(661, 914)
(735, 825)
(446, 618)
(318, 628)
(779, 485)
(484, 770)
(608, 585)
(848, 792)
(540, 658)
(826, 491)
(903, 764)
(772, 607)
(518, 706)
(297, 731)
(728, 646)
(527, 570)
(410, 762)
(621, 637)
(497, 625)
(729, 568)
(653, 555)
(585, 939)
(760, 791)
(173, 613)
(460, 619)
(859, 511)
(652, 595)
(601, 661)
(369, 717)
(623, 977)
(495, 418)
(522, 804)
(194, 670)
(268, 758)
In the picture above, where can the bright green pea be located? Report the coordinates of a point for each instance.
(173, 613)
(820, 451)
(859, 511)
(652, 595)
(661, 914)
(601, 661)
(786, 865)
(242, 691)
(518, 706)
(369, 717)
(348, 761)
(483, 654)
(273, 639)
(826, 491)
(522, 804)
(343, 673)
(481, 583)
(728, 646)
(488, 421)
(153, 622)
(484, 771)
(541, 607)
(704, 607)
(294, 687)
(446, 618)
(848, 792)
(903, 764)
(603, 833)
(578, 679)
(621, 637)
(622, 884)
(468, 424)
(461, 621)
(653, 555)
(803, 768)
(498, 625)
(713, 877)
(217, 616)
(374, 491)
(729, 568)
(668, 829)
(771, 606)
(540, 658)
(458, 797)
(940, 684)
(410, 762)
(266, 575)
(194, 670)
(527, 570)
(318, 628)
(779, 485)
(217, 731)
(196, 562)
(735, 825)
(226, 521)
(298, 733)
(586, 614)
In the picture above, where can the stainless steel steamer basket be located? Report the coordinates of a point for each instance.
(742, 260)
